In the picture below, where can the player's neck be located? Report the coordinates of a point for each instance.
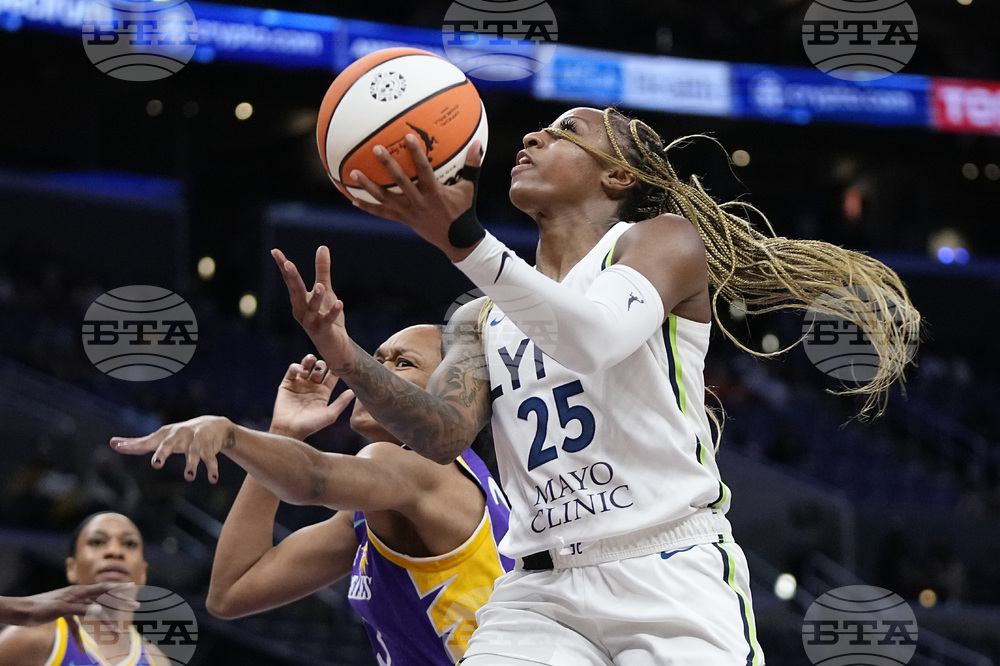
(564, 241)
(111, 637)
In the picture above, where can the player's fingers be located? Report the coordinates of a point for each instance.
(474, 158)
(162, 452)
(425, 172)
(212, 468)
(136, 445)
(306, 366)
(192, 458)
(290, 274)
(338, 406)
(380, 194)
(330, 317)
(323, 266)
(318, 372)
(121, 596)
(395, 169)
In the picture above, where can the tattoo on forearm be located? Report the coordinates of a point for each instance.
(230, 439)
(433, 422)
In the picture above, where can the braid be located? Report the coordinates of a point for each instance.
(765, 271)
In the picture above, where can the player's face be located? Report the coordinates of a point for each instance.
(109, 549)
(551, 169)
(413, 354)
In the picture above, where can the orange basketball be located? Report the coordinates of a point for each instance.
(384, 96)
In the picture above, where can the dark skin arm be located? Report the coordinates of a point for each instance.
(439, 422)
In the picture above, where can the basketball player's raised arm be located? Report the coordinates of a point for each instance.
(440, 422)
(659, 267)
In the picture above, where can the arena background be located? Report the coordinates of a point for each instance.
(102, 187)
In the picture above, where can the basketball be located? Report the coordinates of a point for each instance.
(387, 94)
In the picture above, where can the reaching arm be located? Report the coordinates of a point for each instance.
(291, 469)
(48, 606)
(250, 574)
(440, 422)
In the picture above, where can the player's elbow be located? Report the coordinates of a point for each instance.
(232, 604)
(220, 605)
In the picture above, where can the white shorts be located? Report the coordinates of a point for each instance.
(686, 607)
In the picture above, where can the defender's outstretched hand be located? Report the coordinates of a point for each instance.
(303, 405)
(319, 312)
(428, 207)
(73, 600)
(199, 439)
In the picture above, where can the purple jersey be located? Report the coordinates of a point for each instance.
(75, 647)
(421, 611)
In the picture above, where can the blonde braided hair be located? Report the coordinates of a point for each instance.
(764, 271)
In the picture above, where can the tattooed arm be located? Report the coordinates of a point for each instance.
(440, 422)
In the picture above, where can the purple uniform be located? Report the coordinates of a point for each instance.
(421, 611)
(75, 647)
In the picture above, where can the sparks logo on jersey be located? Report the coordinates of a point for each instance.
(361, 584)
(632, 298)
(454, 593)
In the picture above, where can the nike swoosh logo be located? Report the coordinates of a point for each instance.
(503, 260)
(667, 555)
(497, 321)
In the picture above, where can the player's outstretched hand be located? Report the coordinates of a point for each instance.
(73, 600)
(199, 439)
(427, 206)
(319, 311)
(303, 405)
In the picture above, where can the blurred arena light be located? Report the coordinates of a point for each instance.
(948, 246)
(738, 310)
(785, 586)
(853, 203)
(248, 305)
(206, 268)
(243, 110)
(770, 343)
(741, 158)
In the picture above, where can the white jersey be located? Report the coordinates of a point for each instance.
(624, 451)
